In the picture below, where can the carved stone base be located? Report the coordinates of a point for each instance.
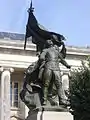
(46, 113)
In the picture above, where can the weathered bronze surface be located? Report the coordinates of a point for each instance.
(42, 79)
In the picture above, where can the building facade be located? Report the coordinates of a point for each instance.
(13, 62)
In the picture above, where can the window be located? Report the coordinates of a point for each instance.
(11, 93)
(14, 94)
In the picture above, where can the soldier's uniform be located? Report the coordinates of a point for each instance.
(52, 57)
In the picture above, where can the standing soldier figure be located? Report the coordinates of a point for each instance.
(51, 58)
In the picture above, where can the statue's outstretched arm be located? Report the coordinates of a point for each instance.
(62, 61)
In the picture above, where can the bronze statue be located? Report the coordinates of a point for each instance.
(51, 57)
(42, 79)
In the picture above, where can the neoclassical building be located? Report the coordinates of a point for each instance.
(13, 62)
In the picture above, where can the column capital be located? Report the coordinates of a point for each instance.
(6, 68)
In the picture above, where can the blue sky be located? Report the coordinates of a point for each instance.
(68, 17)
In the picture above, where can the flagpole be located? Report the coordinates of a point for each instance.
(29, 10)
(25, 43)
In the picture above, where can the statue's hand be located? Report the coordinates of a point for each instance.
(68, 66)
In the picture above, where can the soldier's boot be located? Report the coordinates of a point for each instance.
(45, 92)
(52, 102)
(63, 102)
(60, 95)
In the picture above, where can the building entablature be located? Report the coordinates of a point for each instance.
(19, 45)
(12, 54)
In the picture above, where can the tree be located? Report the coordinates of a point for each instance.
(79, 92)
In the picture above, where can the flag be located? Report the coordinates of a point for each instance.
(40, 35)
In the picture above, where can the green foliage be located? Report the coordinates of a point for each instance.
(79, 96)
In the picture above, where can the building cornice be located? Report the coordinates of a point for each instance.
(12, 54)
(18, 45)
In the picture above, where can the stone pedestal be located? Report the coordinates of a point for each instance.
(49, 114)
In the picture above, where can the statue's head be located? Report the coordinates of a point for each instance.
(49, 43)
(58, 39)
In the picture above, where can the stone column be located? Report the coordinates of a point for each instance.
(5, 93)
(65, 83)
(26, 111)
